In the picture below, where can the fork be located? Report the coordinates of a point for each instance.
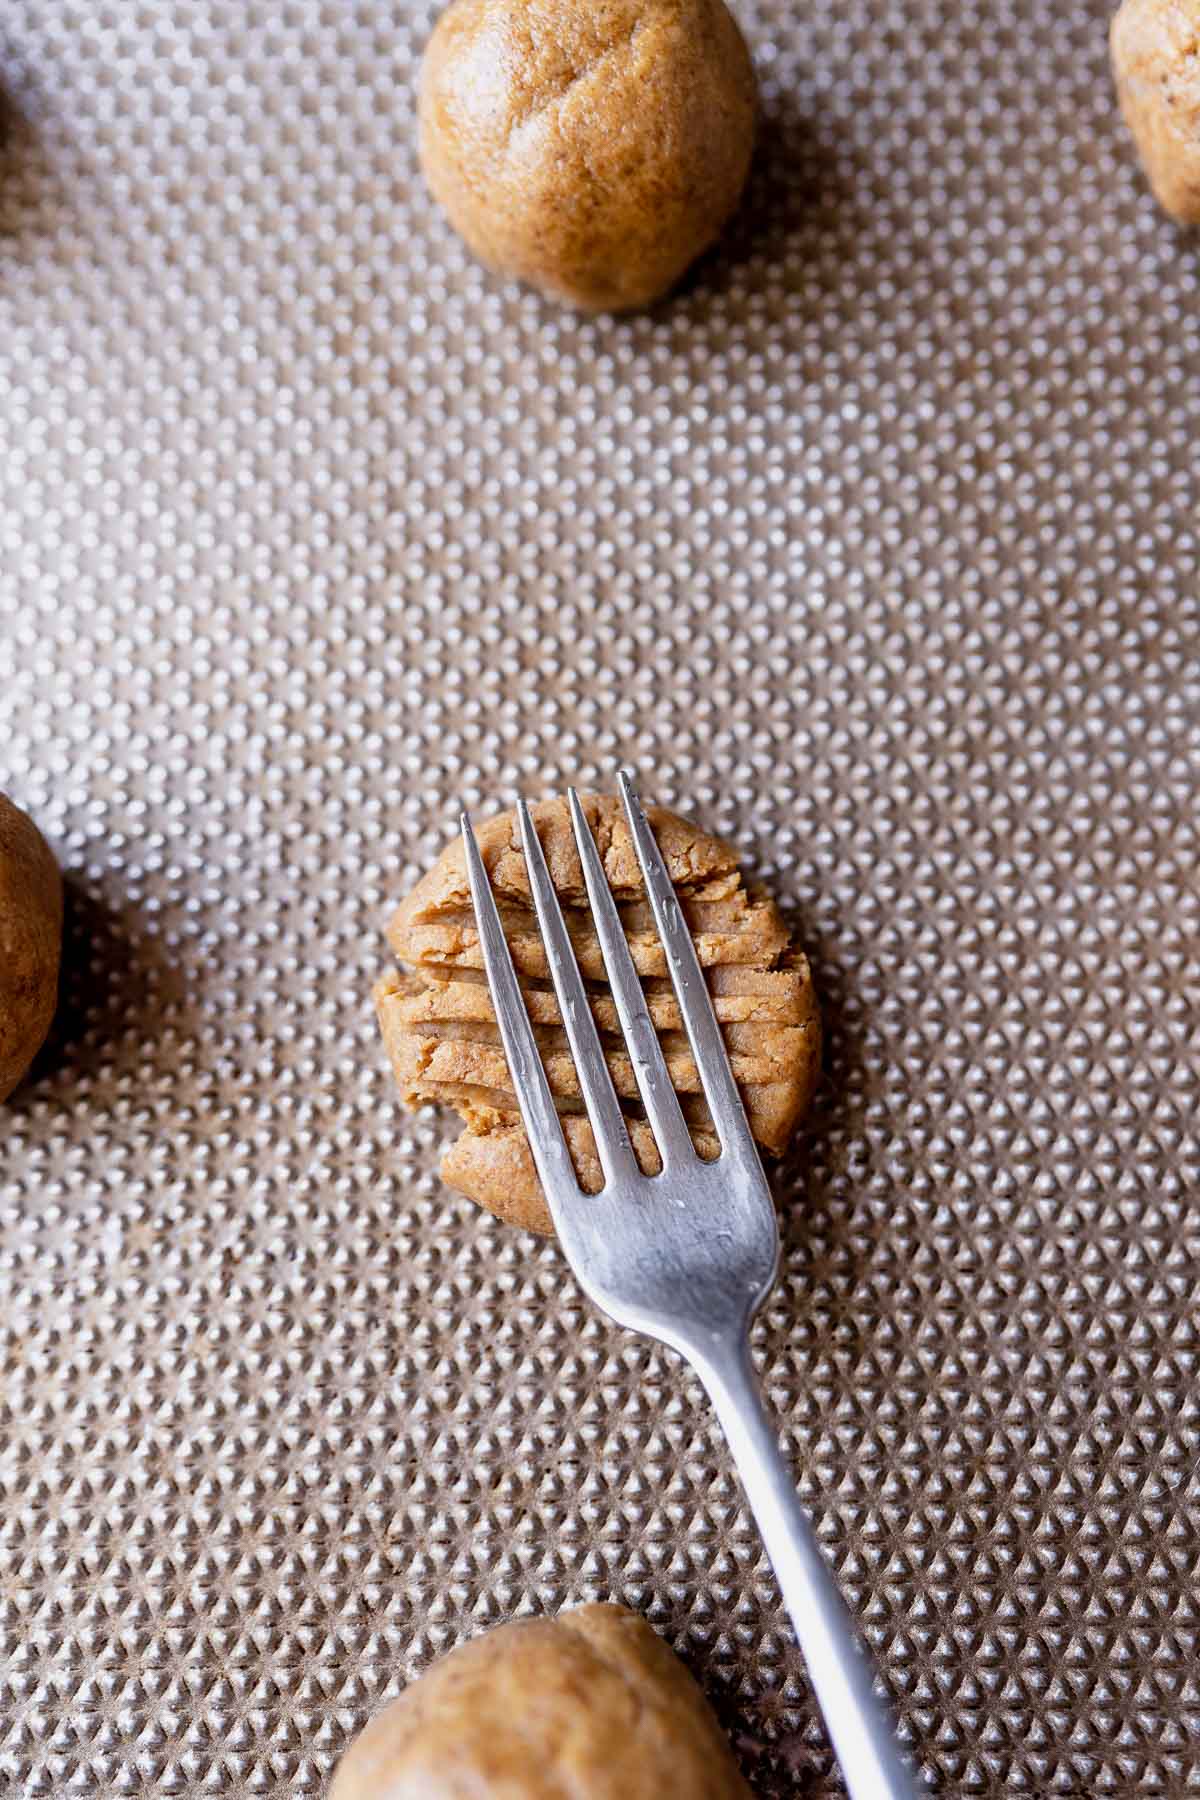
(686, 1256)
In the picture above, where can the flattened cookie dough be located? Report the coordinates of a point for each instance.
(440, 1031)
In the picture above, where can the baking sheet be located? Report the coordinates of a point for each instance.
(877, 550)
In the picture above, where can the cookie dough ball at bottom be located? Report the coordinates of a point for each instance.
(592, 1703)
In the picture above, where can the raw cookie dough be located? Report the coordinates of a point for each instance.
(440, 1030)
(1156, 61)
(31, 918)
(591, 1704)
(591, 147)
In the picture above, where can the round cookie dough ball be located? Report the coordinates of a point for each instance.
(591, 1704)
(591, 147)
(1156, 61)
(31, 916)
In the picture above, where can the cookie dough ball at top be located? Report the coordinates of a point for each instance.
(1156, 61)
(591, 147)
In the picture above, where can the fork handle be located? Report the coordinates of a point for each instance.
(842, 1677)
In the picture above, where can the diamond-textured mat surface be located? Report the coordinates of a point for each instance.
(877, 550)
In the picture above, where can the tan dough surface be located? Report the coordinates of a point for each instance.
(591, 1705)
(439, 1028)
(31, 917)
(1156, 61)
(591, 147)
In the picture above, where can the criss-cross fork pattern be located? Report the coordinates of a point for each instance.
(653, 1078)
(687, 1254)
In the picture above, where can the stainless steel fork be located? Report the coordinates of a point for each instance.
(687, 1255)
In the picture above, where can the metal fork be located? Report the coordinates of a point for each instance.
(688, 1255)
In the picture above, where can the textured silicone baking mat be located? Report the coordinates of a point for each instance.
(877, 549)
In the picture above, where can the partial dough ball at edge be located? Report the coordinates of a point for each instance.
(1155, 46)
(31, 918)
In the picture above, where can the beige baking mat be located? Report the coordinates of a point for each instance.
(878, 550)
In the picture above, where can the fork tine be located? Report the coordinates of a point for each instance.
(691, 989)
(595, 1082)
(551, 1157)
(645, 1052)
